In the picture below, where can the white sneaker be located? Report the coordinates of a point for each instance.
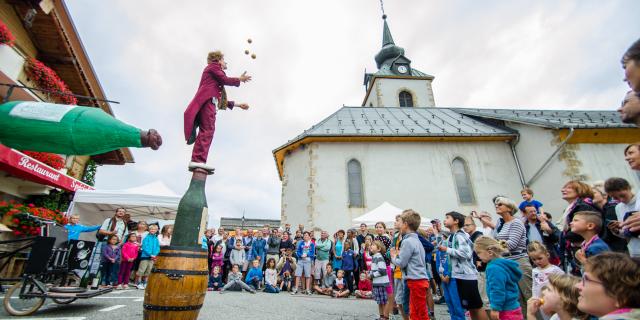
(140, 286)
(119, 287)
(194, 165)
(294, 291)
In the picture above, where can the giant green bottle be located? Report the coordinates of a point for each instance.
(191, 220)
(67, 129)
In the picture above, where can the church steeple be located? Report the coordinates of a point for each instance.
(389, 49)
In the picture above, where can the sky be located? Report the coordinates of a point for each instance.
(311, 59)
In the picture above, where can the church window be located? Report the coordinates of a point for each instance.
(406, 99)
(462, 181)
(354, 174)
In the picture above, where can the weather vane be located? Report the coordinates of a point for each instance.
(382, 8)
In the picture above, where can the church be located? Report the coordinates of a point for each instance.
(399, 147)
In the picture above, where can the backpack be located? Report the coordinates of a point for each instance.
(101, 237)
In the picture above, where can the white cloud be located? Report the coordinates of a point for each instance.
(311, 58)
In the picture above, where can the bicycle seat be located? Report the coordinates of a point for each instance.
(67, 289)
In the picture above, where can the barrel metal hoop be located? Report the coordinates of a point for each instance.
(153, 307)
(181, 248)
(181, 255)
(181, 272)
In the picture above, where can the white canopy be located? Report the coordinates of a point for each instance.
(386, 213)
(153, 201)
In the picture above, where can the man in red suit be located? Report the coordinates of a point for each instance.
(201, 112)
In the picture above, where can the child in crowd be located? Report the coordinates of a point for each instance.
(237, 256)
(129, 253)
(149, 252)
(558, 299)
(349, 264)
(217, 258)
(74, 229)
(527, 197)
(399, 286)
(539, 254)
(326, 284)
(286, 266)
(165, 235)
(215, 279)
(448, 284)
(306, 253)
(110, 261)
(609, 287)
(502, 278)
(254, 275)
(588, 224)
(340, 289)
(234, 281)
(271, 277)
(411, 259)
(364, 287)
(460, 251)
(380, 278)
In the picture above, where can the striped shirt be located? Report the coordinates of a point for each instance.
(515, 234)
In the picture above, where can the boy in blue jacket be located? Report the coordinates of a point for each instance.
(306, 252)
(449, 287)
(254, 275)
(148, 253)
(74, 228)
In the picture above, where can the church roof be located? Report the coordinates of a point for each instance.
(405, 122)
(556, 119)
(385, 70)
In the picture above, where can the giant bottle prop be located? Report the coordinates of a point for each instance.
(67, 129)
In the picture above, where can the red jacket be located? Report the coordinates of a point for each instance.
(211, 85)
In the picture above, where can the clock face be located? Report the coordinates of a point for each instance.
(402, 69)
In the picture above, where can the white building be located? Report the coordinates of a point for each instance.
(399, 147)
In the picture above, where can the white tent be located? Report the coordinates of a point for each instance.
(386, 213)
(151, 202)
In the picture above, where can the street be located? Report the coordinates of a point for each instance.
(127, 304)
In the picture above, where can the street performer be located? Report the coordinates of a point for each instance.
(201, 112)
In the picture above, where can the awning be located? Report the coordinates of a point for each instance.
(22, 166)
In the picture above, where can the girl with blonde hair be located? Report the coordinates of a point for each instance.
(559, 299)
(502, 278)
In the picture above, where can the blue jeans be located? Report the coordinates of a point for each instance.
(271, 289)
(110, 272)
(405, 306)
(453, 300)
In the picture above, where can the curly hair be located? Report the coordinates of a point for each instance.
(582, 189)
(620, 277)
(214, 56)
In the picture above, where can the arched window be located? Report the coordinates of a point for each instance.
(463, 181)
(406, 99)
(354, 174)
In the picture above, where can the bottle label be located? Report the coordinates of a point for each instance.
(204, 220)
(50, 112)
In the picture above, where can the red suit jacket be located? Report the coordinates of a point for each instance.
(211, 85)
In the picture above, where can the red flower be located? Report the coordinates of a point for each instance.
(48, 79)
(53, 160)
(16, 221)
(5, 35)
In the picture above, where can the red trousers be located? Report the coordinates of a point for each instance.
(418, 299)
(206, 128)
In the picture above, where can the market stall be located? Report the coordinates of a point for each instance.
(150, 202)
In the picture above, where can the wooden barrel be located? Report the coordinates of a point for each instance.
(177, 284)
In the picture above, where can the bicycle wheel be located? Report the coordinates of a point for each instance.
(20, 306)
(63, 300)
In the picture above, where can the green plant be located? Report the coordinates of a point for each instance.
(90, 170)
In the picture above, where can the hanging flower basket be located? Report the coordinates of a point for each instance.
(6, 37)
(47, 79)
(51, 159)
(24, 220)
